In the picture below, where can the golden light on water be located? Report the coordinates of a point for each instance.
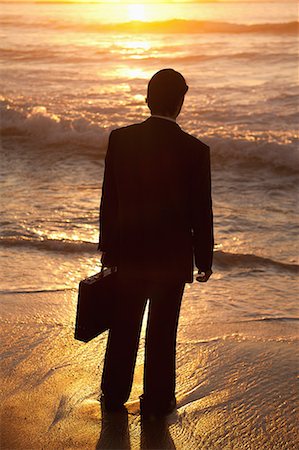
(133, 73)
(135, 48)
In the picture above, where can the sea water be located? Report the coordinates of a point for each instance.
(71, 73)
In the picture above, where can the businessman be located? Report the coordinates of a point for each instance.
(155, 222)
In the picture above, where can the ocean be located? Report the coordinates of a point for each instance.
(71, 73)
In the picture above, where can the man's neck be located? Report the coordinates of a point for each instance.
(157, 116)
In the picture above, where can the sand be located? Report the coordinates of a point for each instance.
(236, 384)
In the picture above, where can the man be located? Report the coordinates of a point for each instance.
(155, 218)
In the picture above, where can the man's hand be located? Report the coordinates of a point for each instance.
(204, 276)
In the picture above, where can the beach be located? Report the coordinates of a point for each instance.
(236, 384)
(73, 72)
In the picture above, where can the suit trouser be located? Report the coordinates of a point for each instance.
(160, 344)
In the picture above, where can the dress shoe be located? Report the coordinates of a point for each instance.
(149, 409)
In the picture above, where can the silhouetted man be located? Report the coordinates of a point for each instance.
(155, 219)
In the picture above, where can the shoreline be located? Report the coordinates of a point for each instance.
(235, 384)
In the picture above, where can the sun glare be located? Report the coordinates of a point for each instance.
(136, 12)
(133, 73)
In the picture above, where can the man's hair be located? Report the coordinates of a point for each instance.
(165, 91)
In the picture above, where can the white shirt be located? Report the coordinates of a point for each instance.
(163, 117)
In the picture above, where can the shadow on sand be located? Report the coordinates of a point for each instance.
(115, 433)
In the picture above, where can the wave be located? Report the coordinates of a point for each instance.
(273, 319)
(44, 54)
(35, 291)
(167, 26)
(276, 58)
(54, 245)
(260, 154)
(198, 26)
(226, 260)
(48, 129)
(81, 136)
(223, 260)
(27, 55)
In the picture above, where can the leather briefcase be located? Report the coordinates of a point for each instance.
(97, 298)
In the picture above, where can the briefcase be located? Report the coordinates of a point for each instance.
(97, 299)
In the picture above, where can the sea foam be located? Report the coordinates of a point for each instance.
(90, 139)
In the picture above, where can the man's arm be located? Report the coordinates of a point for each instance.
(202, 214)
(109, 237)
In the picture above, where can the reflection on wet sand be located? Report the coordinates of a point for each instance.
(115, 432)
(155, 434)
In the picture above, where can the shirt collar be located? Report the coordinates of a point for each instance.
(163, 117)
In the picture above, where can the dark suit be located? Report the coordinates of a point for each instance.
(155, 217)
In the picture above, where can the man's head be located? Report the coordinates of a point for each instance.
(165, 93)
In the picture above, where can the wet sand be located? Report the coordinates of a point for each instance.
(236, 384)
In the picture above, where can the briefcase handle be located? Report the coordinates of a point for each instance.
(110, 269)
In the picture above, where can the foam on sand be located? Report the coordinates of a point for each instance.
(236, 384)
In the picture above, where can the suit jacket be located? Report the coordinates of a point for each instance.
(156, 207)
